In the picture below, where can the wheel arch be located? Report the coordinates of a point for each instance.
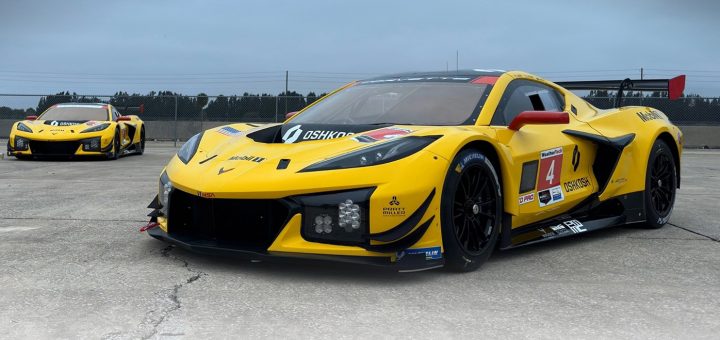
(487, 149)
(666, 137)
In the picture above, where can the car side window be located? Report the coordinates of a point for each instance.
(526, 95)
(115, 114)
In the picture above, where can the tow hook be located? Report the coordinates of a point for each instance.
(149, 226)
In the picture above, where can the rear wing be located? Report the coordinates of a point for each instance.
(674, 87)
(125, 110)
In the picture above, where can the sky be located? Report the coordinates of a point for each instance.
(231, 47)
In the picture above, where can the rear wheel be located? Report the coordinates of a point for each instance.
(660, 185)
(471, 211)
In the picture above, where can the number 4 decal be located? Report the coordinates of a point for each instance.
(550, 174)
(550, 165)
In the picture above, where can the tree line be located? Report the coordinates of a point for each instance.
(161, 105)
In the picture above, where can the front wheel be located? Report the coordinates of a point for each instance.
(471, 211)
(660, 185)
(115, 154)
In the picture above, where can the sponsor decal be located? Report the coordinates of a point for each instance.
(394, 201)
(575, 158)
(229, 131)
(574, 225)
(296, 133)
(411, 79)
(292, 134)
(99, 106)
(381, 134)
(246, 158)
(394, 209)
(648, 116)
(527, 198)
(63, 122)
(432, 253)
(550, 167)
(576, 184)
(550, 196)
(205, 194)
(223, 170)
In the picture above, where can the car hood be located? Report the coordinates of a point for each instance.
(245, 162)
(57, 127)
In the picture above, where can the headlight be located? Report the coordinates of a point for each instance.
(23, 127)
(164, 192)
(91, 144)
(374, 155)
(96, 128)
(340, 218)
(21, 143)
(188, 150)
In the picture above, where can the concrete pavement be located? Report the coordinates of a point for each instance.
(73, 265)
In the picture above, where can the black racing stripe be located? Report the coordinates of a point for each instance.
(402, 243)
(406, 226)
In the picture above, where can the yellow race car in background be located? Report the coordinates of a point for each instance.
(421, 170)
(77, 129)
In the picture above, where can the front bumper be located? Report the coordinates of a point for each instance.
(56, 148)
(405, 263)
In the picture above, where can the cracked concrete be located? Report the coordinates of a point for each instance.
(73, 265)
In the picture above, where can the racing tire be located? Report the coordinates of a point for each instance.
(660, 185)
(116, 146)
(140, 148)
(470, 211)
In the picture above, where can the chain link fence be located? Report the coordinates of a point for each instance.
(174, 117)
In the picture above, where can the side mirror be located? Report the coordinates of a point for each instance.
(123, 119)
(290, 114)
(538, 117)
(31, 118)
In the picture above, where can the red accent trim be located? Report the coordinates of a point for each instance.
(290, 114)
(149, 226)
(538, 117)
(31, 118)
(485, 80)
(124, 119)
(676, 86)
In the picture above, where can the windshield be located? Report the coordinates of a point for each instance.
(76, 112)
(427, 103)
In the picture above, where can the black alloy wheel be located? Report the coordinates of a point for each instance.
(471, 211)
(660, 185)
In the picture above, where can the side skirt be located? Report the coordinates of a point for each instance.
(587, 216)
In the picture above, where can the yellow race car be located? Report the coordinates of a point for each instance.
(422, 170)
(77, 129)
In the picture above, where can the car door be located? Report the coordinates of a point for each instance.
(551, 171)
(124, 138)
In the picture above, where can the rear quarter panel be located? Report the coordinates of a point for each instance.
(647, 124)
